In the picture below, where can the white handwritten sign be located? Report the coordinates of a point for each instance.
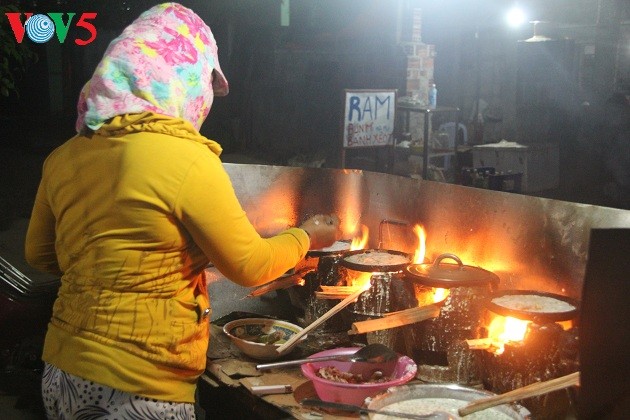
(369, 117)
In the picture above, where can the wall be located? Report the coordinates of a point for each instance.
(560, 94)
(286, 82)
(597, 67)
(529, 242)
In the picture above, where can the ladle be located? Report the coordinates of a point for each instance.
(436, 415)
(372, 353)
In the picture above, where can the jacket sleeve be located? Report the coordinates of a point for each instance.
(39, 247)
(209, 209)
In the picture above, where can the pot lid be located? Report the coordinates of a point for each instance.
(376, 260)
(439, 274)
(530, 305)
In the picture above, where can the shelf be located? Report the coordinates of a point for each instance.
(435, 153)
(403, 111)
(424, 109)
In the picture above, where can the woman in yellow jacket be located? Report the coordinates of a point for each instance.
(129, 212)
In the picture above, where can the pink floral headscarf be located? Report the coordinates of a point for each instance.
(164, 62)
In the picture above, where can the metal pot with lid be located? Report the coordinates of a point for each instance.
(438, 344)
(442, 275)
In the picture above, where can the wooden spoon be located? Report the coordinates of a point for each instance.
(528, 391)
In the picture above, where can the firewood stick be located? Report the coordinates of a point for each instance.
(338, 289)
(325, 296)
(397, 319)
(276, 285)
(335, 292)
(319, 321)
(479, 343)
(418, 312)
(528, 391)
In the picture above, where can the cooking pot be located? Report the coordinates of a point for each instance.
(438, 344)
(442, 275)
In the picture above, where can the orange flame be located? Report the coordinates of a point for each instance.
(418, 257)
(361, 281)
(566, 325)
(349, 201)
(439, 294)
(506, 329)
(360, 242)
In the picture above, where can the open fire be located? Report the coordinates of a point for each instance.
(360, 242)
(444, 323)
(505, 329)
(418, 256)
(530, 337)
(358, 279)
(529, 242)
(437, 294)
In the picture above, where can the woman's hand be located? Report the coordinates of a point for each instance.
(323, 230)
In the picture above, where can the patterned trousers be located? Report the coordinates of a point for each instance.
(70, 397)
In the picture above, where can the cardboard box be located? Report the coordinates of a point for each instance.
(538, 163)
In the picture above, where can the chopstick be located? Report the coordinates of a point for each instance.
(319, 321)
(527, 391)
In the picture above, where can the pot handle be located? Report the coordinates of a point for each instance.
(441, 257)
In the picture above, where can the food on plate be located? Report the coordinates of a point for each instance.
(331, 373)
(271, 338)
(264, 334)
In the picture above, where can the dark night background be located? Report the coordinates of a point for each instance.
(286, 100)
(286, 82)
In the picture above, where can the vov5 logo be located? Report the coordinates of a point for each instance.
(41, 28)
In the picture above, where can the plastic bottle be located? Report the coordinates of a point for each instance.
(432, 96)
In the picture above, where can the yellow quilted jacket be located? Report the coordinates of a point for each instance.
(129, 217)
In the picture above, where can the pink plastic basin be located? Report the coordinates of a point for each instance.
(404, 371)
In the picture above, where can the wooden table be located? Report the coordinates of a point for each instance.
(225, 387)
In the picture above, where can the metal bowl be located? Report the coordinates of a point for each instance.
(462, 396)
